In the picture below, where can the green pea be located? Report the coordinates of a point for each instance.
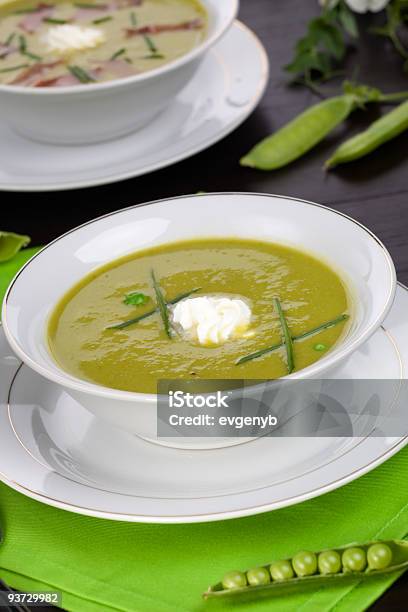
(329, 562)
(305, 563)
(354, 559)
(258, 576)
(320, 347)
(300, 134)
(281, 570)
(379, 556)
(387, 127)
(234, 580)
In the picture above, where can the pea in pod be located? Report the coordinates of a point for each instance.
(381, 131)
(315, 569)
(301, 134)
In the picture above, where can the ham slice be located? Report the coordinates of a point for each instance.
(102, 8)
(64, 80)
(5, 50)
(32, 21)
(118, 67)
(195, 24)
(34, 74)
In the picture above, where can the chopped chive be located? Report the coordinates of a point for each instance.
(133, 19)
(81, 74)
(89, 5)
(152, 47)
(10, 39)
(320, 347)
(12, 68)
(102, 20)
(274, 347)
(22, 43)
(129, 322)
(128, 60)
(53, 20)
(33, 56)
(286, 336)
(162, 305)
(26, 11)
(154, 56)
(118, 53)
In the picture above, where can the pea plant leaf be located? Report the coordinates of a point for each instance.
(135, 298)
(320, 51)
(11, 244)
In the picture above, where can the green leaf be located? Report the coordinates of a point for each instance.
(8, 269)
(135, 298)
(11, 244)
(348, 20)
(328, 36)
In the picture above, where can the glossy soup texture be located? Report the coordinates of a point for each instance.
(55, 44)
(134, 358)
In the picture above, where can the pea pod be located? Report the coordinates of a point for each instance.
(318, 569)
(301, 134)
(384, 129)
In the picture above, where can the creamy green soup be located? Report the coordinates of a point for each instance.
(56, 44)
(89, 335)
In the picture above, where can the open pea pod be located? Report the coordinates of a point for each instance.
(386, 555)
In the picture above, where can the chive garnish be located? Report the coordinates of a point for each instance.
(154, 56)
(133, 19)
(12, 68)
(152, 47)
(33, 56)
(286, 336)
(22, 42)
(162, 305)
(10, 39)
(118, 53)
(89, 5)
(311, 332)
(81, 74)
(129, 322)
(53, 20)
(102, 20)
(27, 11)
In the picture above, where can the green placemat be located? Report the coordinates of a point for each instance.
(101, 565)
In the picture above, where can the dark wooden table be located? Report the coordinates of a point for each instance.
(373, 190)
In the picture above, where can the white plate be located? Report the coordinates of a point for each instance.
(225, 90)
(54, 451)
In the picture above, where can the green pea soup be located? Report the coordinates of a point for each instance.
(83, 342)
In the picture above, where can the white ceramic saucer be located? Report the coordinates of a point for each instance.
(54, 451)
(225, 90)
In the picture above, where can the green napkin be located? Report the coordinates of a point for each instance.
(100, 565)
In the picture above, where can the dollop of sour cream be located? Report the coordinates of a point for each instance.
(68, 38)
(212, 320)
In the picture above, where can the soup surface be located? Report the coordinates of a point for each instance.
(135, 357)
(250, 273)
(56, 44)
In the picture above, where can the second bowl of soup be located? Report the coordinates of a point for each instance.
(83, 72)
